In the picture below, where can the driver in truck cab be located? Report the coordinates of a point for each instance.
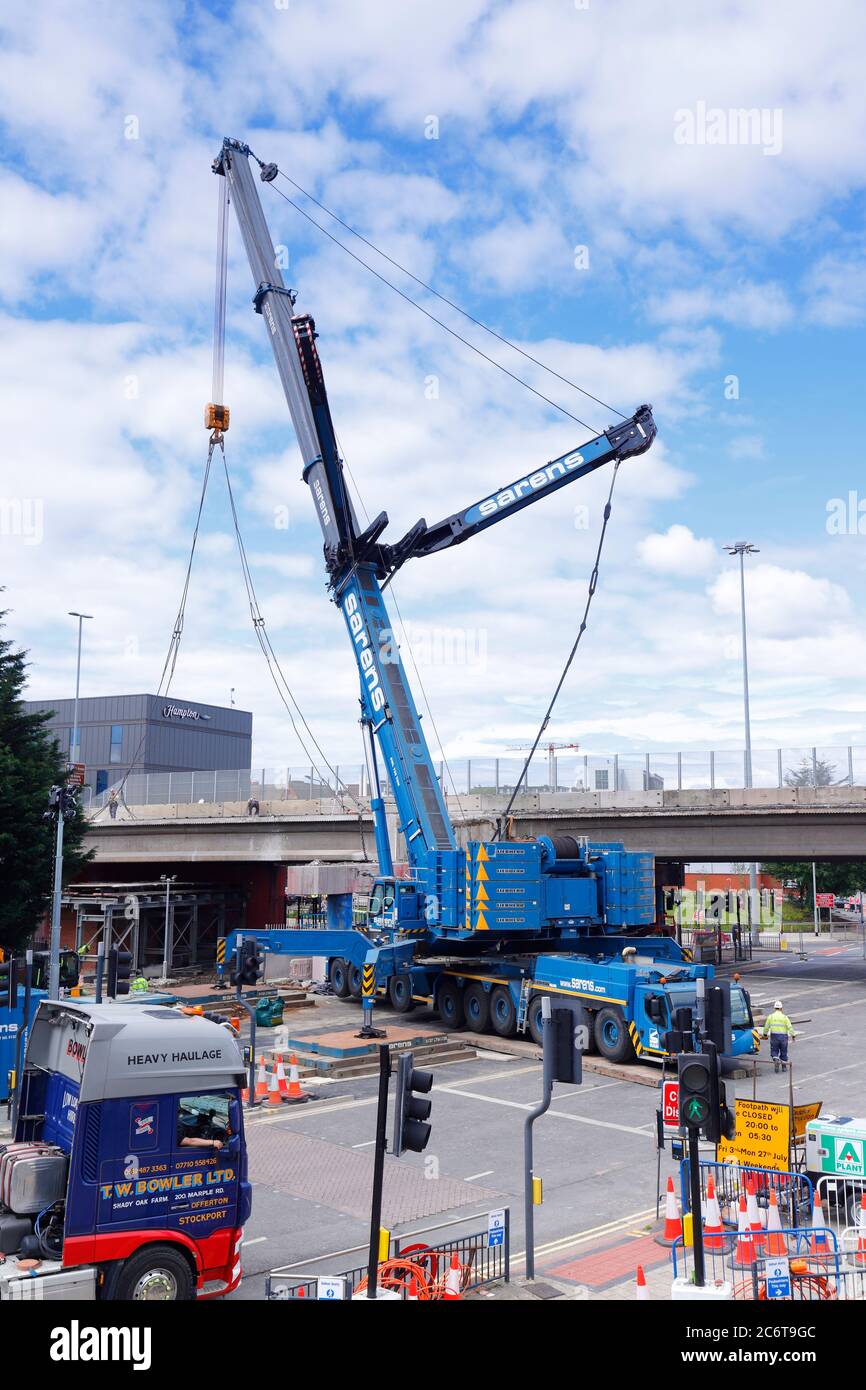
(196, 1130)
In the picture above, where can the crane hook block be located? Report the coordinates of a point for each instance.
(268, 173)
(216, 417)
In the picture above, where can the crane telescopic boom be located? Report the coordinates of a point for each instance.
(359, 562)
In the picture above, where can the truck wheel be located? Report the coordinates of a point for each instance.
(476, 1002)
(400, 993)
(612, 1037)
(156, 1274)
(449, 1002)
(503, 1015)
(339, 977)
(356, 981)
(533, 1018)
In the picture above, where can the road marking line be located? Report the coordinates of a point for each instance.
(366, 1144)
(256, 1240)
(813, 1037)
(581, 1237)
(561, 1114)
(819, 1076)
(473, 1177)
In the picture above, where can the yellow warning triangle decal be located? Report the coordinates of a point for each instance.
(480, 894)
(483, 856)
(481, 875)
(481, 922)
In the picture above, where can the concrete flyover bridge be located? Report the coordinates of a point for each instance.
(223, 833)
(703, 825)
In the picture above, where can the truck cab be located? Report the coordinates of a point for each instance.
(127, 1176)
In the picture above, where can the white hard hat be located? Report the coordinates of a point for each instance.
(778, 1004)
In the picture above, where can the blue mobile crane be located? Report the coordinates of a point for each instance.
(480, 933)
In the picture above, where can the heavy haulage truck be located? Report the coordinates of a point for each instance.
(127, 1175)
(479, 932)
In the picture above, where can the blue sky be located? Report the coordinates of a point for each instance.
(557, 129)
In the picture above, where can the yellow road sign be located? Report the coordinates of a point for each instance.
(762, 1135)
(802, 1115)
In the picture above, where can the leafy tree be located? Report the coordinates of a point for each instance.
(844, 879)
(30, 763)
(809, 774)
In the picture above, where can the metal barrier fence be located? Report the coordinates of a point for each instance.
(818, 1268)
(687, 770)
(842, 1200)
(481, 1263)
(794, 1191)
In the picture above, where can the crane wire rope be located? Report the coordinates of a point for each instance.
(271, 658)
(440, 322)
(479, 323)
(170, 662)
(593, 585)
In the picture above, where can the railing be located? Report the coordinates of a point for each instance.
(688, 770)
(480, 1263)
(817, 1269)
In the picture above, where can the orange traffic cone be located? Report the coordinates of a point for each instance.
(744, 1255)
(641, 1290)
(274, 1097)
(714, 1234)
(261, 1081)
(282, 1083)
(776, 1244)
(452, 1279)
(860, 1253)
(294, 1094)
(673, 1227)
(818, 1245)
(754, 1217)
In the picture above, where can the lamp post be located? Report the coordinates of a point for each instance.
(742, 549)
(168, 880)
(75, 744)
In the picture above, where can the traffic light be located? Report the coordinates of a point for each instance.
(62, 800)
(679, 1037)
(9, 984)
(717, 1015)
(703, 1102)
(410, 1111)
(567, 1056)
(248, 964)
(119, 971)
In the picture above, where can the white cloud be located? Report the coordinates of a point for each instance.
(782, 604)
(746, 306)
(678, 551)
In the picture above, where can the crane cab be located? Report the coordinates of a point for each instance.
(394, 904)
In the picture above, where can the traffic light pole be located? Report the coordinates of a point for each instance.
(378, 1171)
(54, 943)
(251, 1083)
(528, 1194)
(695, 1202)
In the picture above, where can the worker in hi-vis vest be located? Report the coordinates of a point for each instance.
(779, 1028)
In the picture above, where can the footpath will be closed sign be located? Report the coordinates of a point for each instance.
(761, 1136)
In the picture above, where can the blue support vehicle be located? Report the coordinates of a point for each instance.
(479, 932)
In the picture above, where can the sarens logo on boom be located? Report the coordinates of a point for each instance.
(361, 639)
(540, 479)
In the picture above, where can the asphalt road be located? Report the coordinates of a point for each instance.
(595, 1149)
